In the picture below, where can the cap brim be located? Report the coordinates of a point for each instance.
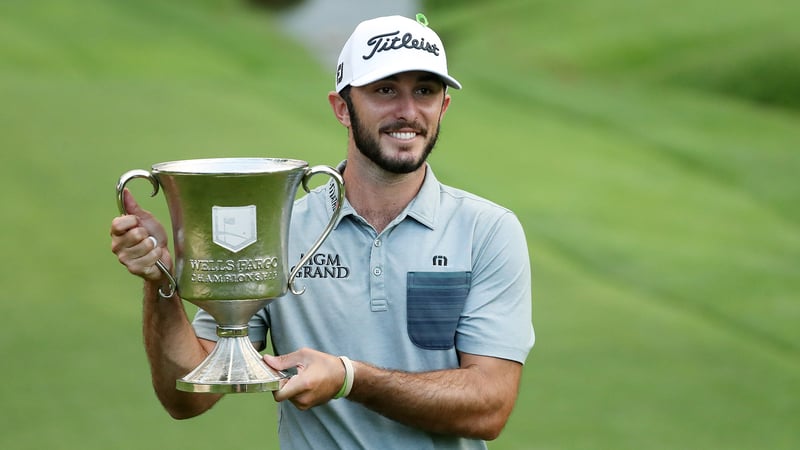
(384, 72)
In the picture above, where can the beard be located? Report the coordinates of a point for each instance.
(370, 147)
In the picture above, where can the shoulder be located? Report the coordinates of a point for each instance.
(491, 227)
(469, 199)
(313, 199)
(469, 206)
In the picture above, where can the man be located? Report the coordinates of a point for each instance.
(425, 288)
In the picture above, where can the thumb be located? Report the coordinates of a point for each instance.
(146, 219)
(132, 206)
(282, 362)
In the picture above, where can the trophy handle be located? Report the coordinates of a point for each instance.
(123, 180)
(337, 177)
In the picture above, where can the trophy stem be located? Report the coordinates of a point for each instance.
(233, 366)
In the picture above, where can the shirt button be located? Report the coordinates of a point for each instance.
(377, 271)
(378, 242)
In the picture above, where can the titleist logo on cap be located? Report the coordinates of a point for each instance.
(385, 42)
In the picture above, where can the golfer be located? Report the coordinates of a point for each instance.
(416, 317)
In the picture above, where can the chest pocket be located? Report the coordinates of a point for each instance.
(434, 303)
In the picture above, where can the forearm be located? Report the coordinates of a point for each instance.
(469, 401)
(173, 350)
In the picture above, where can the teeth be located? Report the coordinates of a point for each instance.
(405, 135)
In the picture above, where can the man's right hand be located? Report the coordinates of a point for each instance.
(131, 241)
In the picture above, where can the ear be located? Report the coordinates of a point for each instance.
(445, 104)
(339, 108)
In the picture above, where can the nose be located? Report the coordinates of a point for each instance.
(406, 107)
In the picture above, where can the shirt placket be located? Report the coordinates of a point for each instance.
(377, 277)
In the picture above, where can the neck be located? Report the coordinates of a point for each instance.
(379, 196)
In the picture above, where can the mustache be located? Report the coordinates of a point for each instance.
(400, 124)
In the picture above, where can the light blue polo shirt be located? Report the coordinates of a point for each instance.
(450, 273)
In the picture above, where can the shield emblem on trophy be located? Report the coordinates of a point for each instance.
(234, 227)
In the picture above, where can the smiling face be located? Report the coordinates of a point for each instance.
(395, 121)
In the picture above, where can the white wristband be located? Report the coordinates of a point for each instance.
(348, 375)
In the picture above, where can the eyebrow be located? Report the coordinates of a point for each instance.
(424, 77)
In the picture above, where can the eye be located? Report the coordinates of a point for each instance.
(428, 90)
(384, 90)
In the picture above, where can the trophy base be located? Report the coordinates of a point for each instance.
(233, 366)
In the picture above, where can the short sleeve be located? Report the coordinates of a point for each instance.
(496, 320)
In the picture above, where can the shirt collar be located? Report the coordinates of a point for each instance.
(422, 208)
(331, 189)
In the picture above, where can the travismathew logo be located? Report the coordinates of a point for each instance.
(393, 41)
(323, 266)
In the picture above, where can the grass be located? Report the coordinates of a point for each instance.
(649, 148)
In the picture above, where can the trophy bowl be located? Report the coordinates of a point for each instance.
(230, 224)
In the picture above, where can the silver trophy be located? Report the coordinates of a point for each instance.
(230, 223)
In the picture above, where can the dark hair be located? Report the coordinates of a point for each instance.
(345, 94)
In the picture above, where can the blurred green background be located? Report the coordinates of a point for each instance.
(649, 147)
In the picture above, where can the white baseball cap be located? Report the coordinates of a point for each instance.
(388, 45)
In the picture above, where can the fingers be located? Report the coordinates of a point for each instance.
(139, 240)
(141, 259)
(142, 216)
(128, 236)
(121, 225)
(135, 248)
(319, 377)
(288, 389)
